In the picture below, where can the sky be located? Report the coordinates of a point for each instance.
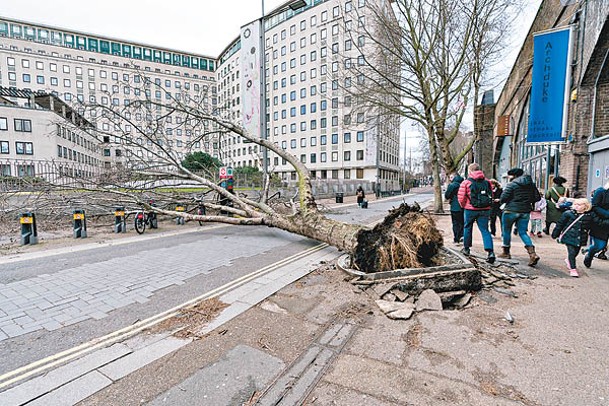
(199, 26)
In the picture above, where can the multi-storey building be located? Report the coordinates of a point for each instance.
(311, 59)
(42, 137)
(78, 67)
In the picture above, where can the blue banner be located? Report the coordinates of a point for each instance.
(550, 91)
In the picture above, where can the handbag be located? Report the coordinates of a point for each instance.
(560, 237)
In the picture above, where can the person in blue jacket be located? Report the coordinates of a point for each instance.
(456, 211)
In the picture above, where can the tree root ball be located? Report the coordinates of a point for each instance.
(406, 238)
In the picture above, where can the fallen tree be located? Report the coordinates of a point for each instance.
(406, 238)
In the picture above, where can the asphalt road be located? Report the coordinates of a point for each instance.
(53, 303)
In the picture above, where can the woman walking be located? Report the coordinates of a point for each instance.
(554, 193)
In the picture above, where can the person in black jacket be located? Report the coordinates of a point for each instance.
(572, 230)
(495, 206)
(456, 211)
(599, 231)
(518, 197)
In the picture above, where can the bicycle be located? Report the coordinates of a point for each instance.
(143, 219)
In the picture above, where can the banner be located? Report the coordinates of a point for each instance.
(550, 88)
(250, 77)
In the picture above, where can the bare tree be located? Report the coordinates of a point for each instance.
(427, 60)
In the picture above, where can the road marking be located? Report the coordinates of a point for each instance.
(44, 364)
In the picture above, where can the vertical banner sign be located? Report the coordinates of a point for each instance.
(550, 88)
(250, 76)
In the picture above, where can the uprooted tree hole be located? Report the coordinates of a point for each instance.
(406, 238)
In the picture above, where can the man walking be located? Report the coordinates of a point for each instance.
(456, 211)
(518, 197)
(475, 197)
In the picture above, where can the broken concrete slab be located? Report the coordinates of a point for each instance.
(403, 313)
(428, 300)
(387, 306)
(463, 301)
(401, 296)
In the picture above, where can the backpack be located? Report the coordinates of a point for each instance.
(480, 193)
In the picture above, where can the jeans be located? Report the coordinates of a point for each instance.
(481, 218)
(598, 244)
(457, 220)
(522, 222)
(572, 251)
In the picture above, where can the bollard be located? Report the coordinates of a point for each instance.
(80, 224)
(180, 219)
(29, 233)
(120, 226)
(339, 197)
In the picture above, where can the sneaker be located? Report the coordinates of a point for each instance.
(587, 261)
(539, 234)
(491, 257)
(601, 255)
(574, 273)
(465, 251)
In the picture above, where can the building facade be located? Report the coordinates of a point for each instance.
(311, 56)
(583, 157)
(86, 69)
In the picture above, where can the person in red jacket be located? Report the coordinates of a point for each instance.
(475, 196)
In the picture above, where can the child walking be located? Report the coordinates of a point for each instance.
(572, 230)
(537, 217)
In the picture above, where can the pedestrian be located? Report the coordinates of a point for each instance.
(456, 211)
(572, 230)
(536, 216)
(599, 230)
(495, 206)
(518, 196)
(475, 197)
(360, 195)
(553, 194)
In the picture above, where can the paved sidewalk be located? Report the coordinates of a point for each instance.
(321, 340)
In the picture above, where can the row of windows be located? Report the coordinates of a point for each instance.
(77, 139)
(21, 148)
(323, 140)
(104, 47)
(19, 125)
(67, 153)
(323, 122)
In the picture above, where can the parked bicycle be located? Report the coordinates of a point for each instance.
(143, 219)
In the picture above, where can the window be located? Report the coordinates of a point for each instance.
(334, 159)
(335, 12)
(313, 141)
(347, 138)
(347, 156)
(324, 16)
(359, 154)
(23, 125)
(348, 45)
(66, 69)
(360, 136)
(10, 61)
(24, 148)
(313, 158)
(25, 63)
(334, 138)
(3, 124)
(27, 78)
(322, 157)
(323, 140)
(67, 83)
(4, 147)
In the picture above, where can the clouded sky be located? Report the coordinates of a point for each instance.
(200, 26)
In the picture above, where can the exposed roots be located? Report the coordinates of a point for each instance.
(407, 238)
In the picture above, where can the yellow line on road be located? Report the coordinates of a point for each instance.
(44, 364)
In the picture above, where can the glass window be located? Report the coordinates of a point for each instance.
(22, 125)
(3, 124)
(323, 140)
(4, 147)
(27, 78)
(360, 136)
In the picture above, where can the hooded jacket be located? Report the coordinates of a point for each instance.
(600, 214)
(519, 195)
(464, 191)
(451, 193)
(577, 235)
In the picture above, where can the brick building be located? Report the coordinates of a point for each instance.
(584, 156)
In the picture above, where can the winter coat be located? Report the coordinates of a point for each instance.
(495, 206)
(464, 192)
(451, 193)
(519, 194)
(600, 214)
(578, 234)
(552, 212)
